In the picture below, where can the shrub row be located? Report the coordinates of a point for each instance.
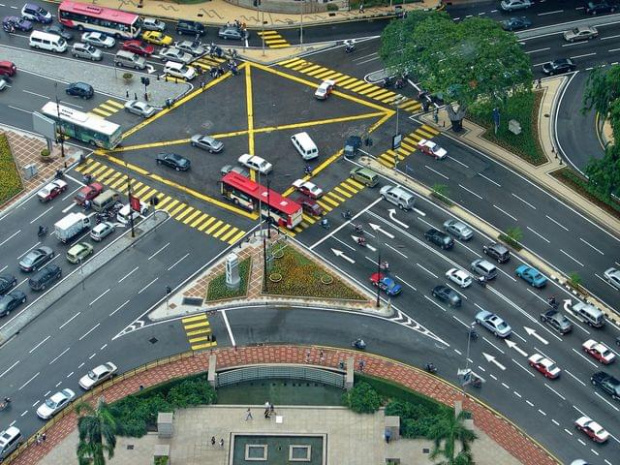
(10, 181)
(580, 184)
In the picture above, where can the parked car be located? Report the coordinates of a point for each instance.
(607, 383)
(52, 190)
(459, 277)
(592, 429)
(156, 38)
(497, 251)
(79, 252)
(59, 31)
(516, 24)
(581, 33)
(19, 24)
(36, 258)
(557, 321)
(512, 5)
(80, 89)
(88, 193)
(98, 39)
(544, 365)
(207, 143)
(439, 238)
(232, 33)
(11, 301)
(190, 47)
(447, 295)
(138, 47)
(237, 169)
(386, 284)
(493, 323)
(598, 7)
(153, 24)
(174, 54)
(101, 231)
(432, 149)
(612, 276)
(256, 163)
(325, 89)
(173, 160)
(531, 276)
(598, 351)
(191, 28)
(140, 108)
(55, 404)
(308, 188)
(97, 375)
(3, 83)
(7, 281)
(458, 229)
(561, 65)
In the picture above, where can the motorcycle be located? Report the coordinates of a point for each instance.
(349, 46)
(482, 281)
(42, 231)
(553, 303)
(358, 229)
(384, 267)
(59, 174)
(431, 368)
(359, 344)
(361, 241)
(472, 334)
(325, 223)
(5, 404)
(88, 178)
(347, 215)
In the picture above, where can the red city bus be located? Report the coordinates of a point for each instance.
(84, 16)
(248, 194)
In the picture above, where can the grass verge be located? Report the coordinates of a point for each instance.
(219, 291)
(10, 181)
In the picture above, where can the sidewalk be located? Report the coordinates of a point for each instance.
(494, 425)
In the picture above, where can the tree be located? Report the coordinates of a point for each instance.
(445, 434)
(362, 398)
(97, 433)
(465, 61)
(602, 90)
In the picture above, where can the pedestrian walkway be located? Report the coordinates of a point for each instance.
(273, 39)
(180, 211)
(356, 85)
(198, 330)
(107, 108)
(503, 432)
(408, 145)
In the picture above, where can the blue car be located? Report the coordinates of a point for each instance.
(531, 276)
(19, 24)
(385, 283)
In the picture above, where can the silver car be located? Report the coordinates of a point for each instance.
(612, 275)
(512, 5)
(458, 229)
(493, 323)
(190, 47)
(140, 108)
(98, 39)
(174, 54)
(581, 33)
(36, 258)
(207, 143)
(153, 24)
(101, 231)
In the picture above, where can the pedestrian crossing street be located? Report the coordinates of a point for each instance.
(107, 108)
(408, 145)
(273, 39)
(198, 331)
(356, 85)
(180, 211)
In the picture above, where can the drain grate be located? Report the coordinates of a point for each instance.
(195, 301)
(153, 340)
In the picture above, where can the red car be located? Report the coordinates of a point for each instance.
(7, 68)
(88, 193)
(546, 366)
(138, 47)
(599, 351)
(52, 190)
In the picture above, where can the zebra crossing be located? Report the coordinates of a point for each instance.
(198, 331)
(408, 145)
(353, 84)
(206, 62)
(186, 214)
(273, 39)
(107, 108)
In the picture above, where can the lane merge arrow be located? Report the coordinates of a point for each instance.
(376, 228)
(532, 332)
(392, 217)
(340, 253)
(492, 360)
(513, 345)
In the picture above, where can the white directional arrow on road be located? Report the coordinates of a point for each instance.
(392, 217)
(150, 69)
(567, 304)
(513, 345)
(491, 359)
(340, 253)
(532, 332)
(376, 227)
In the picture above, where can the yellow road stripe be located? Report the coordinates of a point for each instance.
(199, 339)
(357, 184)
(116, 104)
(192, 216)
(98, 112)
(203, 324)
(184, 213)
(316, 71)
(214, 227)
(348, 188)
(199, 220)
(190, 319)
(250, 109)
(367, 90)
(341, 191)
(325, 74)
(236, 237)
(346, 81)
(284, 45)
(221, 230)
(109, 108)
(325, 206)
(177, 210)
(376, 93)
(99, 170)
(285, 62)
(430, 129)
(168, 207)
(141, 191)
(204, 346)
(206, 223)
(197, 332)
(226, 236)
(428, 135)
(329, 200)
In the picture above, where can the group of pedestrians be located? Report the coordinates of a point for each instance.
(213, 442)
(270, 410)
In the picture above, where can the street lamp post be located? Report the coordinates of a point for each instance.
(301, 20)
(61, 135)
(378, 303)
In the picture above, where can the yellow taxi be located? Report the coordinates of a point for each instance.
(157, 38)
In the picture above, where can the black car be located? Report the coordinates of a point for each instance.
(563, 65)
(173, 160)
(80, 89)
(514, 24)
(59, 31)
(607, 383)
(439, 238)
(44, 277)
(351, 146)
(497, 251)
(190, 28)
(447, 295)
(595, 8)
(7, 281)
(11, 301)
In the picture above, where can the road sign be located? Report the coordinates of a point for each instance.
(396, 140)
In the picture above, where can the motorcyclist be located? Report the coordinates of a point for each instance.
(359, 343)
(325, 223)
(361, 240)
(430, 367)
(42, 230)
(347, 214)
(385, 266)
(359, 229)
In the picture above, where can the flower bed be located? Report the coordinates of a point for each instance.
(10, 181)
(218, 290)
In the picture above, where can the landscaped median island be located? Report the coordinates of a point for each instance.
(218, 290)
(10, 181)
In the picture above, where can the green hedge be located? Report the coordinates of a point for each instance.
(580, 184)
(217, 287)
(362, 398)
(10, 181)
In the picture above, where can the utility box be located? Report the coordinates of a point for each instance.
(514, 126)
(165, 426)
(29, 171)
(232, 271)
(392, 427)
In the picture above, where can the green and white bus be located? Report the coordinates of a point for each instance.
(90, 129)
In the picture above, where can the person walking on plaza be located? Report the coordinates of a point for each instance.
(222, 443)
(213, 441)
(361, 7)
(248, 414)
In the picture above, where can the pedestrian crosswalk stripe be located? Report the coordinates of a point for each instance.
(135, 185)
(226, 236)
(200, 324)
(332, 196)
(236, 237)
(299, 67)
(206, 223)
(98, 112)
(316, 71)
(189, 319)
(88, 168)
(116, 104)
(408, 147)
(214, 227)
(342, 191)
(168, 207)
(177, 210)
(312, 68)
(367, 91)
(346, 186)
(140, 193)
(326, 75)
(220, 231)
(200, 219)
(427, 135)
(146, 197)
(359, 85)
(109, 178)
(377, 94)
(430, 129)
(184, 213)
(107, 173)
(346, 82)
(285, 62)
(99, 170)
(192, 216)
(162, 202)
(329, 201)
(107, 107)
(355, 183)
(118, 182)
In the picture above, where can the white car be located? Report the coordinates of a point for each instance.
(430, 148)
(3, 84)
(126, 213)
(459, 277)
(52, 190)
(325, 89)
(612, 275)
(595, 431)
(55, 404)
(98, 39)
(97, 375)
(546, 366)
(307, 188)
(140, 108)
(174, 54)
(101, 231)
(599, 351)
(255, 163)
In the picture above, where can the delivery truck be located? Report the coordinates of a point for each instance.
(71, 225)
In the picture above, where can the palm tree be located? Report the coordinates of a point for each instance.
(445, 434)
(97, 429)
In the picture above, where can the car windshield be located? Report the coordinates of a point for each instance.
(50, 403)
(92, 375)
(502, 325)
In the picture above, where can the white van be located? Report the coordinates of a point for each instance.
(129, 59)
(305, 146)
(124, 214)
(179, 70)
(46, 41)
(398, 196)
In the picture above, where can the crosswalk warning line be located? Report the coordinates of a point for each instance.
(192, 216)
(109, 178)
(300, 66)
(90, 167)
(198, 332)
(376, 94)
(200, 339)
(355, 183)
(109, 108)
(184, 213)
(329, 201)
(200, 219)
(114, 103)
(346, 80)
(342, 192)
(430, 129)
(326, 207)
(312, 68)
(206, 223)
(348, 188)
(326, 75)
(293, 63)
(99, 170)
(221, 231)
(99, 112)
(427, 135)
(214, 227)
(317, 71)
(201, 324)
(189, 319)
(171, 205)
(226, 236)
(333, 196)
(204, 346)
(236, 237)
(366, 91)
(140, 193)
(177, 210)
(360, 85)
(285, 62)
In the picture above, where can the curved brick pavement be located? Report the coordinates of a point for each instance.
(498, 428)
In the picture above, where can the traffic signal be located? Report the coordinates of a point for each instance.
(145, 80)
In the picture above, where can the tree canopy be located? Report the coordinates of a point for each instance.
(464, 60)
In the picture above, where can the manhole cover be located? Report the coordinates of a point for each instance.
(129, 446)
(195, 301)
(153, 340)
